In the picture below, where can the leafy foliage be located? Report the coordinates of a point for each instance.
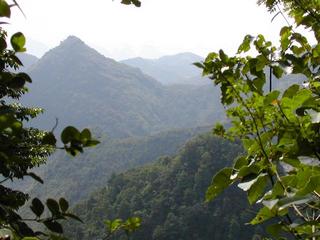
(24, 148)
(279, 131)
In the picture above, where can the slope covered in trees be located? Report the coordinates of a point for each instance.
(92, 169)
(169, 196)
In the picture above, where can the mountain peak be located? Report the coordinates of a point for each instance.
(72, 41)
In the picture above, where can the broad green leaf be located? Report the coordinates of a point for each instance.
(219, 182)
(85, 135)
(240, 162)
(211, 56)
(257, 188)
(289, 201)
(270, 97)
(274, 230)
(277, 71)
(64, 205)
(4, 9)
(54, 226)
(18, 42)
(69, 133)
(312, 185)
(285, 34)
(263, 215)
(291, 91)
(37, 207)
(53, 206)
(245, 46)
(24, 76)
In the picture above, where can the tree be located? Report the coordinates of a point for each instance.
(24, 148)
(280, 130)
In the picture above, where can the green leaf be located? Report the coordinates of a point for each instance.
(274, 230)
(257, 188)
(49, 139)
(263, 215)
(128, 2)
(53, 206)
(289, 201)
(18, 42)
(291, 91)
(92, 143)
(312, 185)
(211, 56)
(53, 226)
(220, 181)
(245, 46)
(285, 34)
(37, 207)
(219, 130)
(69, 133)
(198, 64)
(17, 82)
(64, 205)
(4, 9)
(24, 76)
(35, 177)
(70, 215)
(277, 71)
(85, 135)
(270, 97)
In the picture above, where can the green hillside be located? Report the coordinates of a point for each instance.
(90, 171)
(169, 196)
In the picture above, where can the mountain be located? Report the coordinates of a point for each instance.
(79, 86)
(76, 178)
(173, 69)
(28, 60)
(169, 197)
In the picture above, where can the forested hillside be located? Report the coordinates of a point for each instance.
(92, 170)
(86, 89)
(169, 196)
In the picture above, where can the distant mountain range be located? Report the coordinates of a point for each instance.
(174, 69)
(81, 87)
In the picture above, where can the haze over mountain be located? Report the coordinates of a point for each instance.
(91, 170)
(173, 69)
(79, 86)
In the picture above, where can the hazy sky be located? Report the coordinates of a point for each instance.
(159, 27)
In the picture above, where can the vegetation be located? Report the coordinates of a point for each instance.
(280, 132)
(110, 157)
(24, 148)
(168, 196)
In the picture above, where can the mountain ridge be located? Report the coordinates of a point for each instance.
(86, 89)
